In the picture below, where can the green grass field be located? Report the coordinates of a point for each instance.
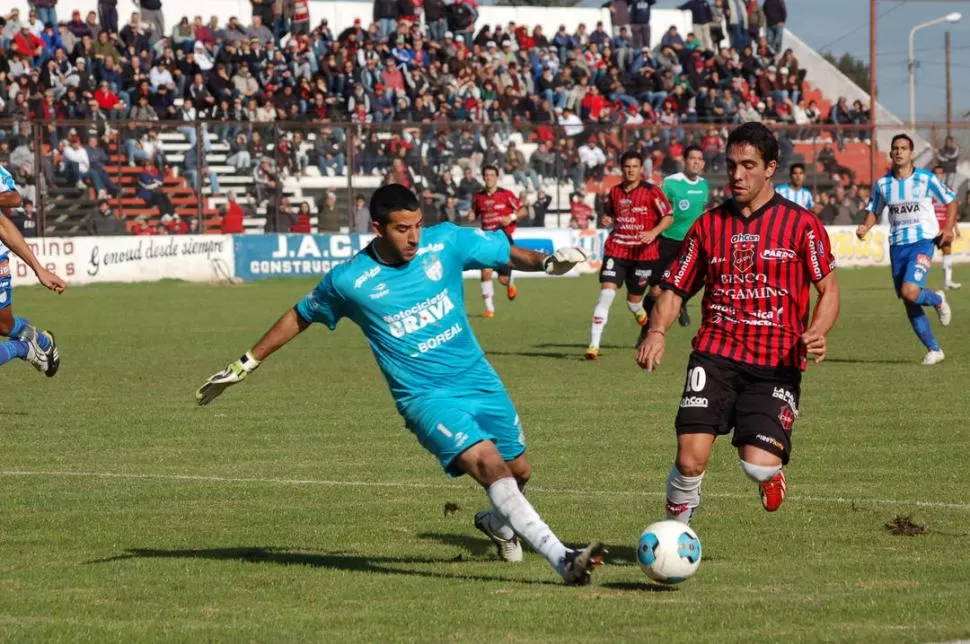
(298, 508)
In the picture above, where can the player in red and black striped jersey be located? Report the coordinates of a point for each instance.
(497, 209)
(757, 256)
(638, 212)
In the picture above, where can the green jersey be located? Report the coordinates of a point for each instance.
(689, 198)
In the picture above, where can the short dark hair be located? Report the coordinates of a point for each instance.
(902, 137)
(796, 166)
(631, 154)
(939, 167)
(693, 148)
(390, 199)
(759, 137)
(489, 166)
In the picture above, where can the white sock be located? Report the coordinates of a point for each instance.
(600, 315)
(948, 269)
(635, 307)
(499, 526)
(760, 473)
(488, 293)
(683, 495)
(511, 279)
(510, 504)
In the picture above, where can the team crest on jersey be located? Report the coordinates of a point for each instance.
(743, 259)
(433, 268)
(786, 417)
(683, 204)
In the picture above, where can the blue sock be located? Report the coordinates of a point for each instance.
(22, 330)
(928, 298)
(921, 325)
(12, 349)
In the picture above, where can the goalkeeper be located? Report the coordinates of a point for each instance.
(405, 292)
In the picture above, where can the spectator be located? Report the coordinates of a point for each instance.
(776, 15)
(702, 16)
(429, 209)
(449, 211)
(640, 22)
(830, 164)
(540, 208)
(580, 212)
(153, 16)
(193, 171)
(266, 182)
(232, 216)
(104, 223)
(25, 219)
(98, 159)
(108, 15)
(948, 157)
(151, 188)
(301, 223)
(840, 210)
(362, 223)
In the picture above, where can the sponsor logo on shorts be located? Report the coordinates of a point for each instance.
(783, 394)
(778, 254)
(771, 441)
(693, 402)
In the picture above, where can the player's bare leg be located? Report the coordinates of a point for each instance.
(648, 301)
(601, 313)
(496, 529)
(488, 292)
(483, 463)
(685, 477)
(915, 297)
(508, 281)
(764, 468)
(948, 282)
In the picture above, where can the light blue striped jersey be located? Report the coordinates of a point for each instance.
(6, 185)
(909, 205)
(801, 196)
(413, 315)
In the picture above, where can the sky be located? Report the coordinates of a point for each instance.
(812, 21)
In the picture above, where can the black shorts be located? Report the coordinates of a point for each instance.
(636, 275)
(669, 251)
(505, 271)
(760, 404)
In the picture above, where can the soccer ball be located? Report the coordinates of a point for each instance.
(669, 552)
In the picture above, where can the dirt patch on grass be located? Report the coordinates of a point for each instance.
(904, 527)
(451, 508)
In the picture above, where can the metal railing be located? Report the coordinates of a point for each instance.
(272, 169)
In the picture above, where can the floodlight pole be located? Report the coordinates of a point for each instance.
(951, 18)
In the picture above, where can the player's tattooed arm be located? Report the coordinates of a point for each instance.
(824, 316)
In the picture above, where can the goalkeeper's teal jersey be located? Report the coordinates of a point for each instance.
(414, 315)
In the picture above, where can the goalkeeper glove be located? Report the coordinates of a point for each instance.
(219, 382)
(563, 260)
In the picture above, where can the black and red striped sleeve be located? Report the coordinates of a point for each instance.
(816, 250)
(661, 203)
(685, 274)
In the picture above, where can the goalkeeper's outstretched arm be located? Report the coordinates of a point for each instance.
(286, 328)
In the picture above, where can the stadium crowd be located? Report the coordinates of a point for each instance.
(417, 93)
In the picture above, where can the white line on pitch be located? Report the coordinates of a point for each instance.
(444, 486)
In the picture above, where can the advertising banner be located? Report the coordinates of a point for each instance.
(86, 260)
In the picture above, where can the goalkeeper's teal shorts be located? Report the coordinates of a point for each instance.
(446, 427)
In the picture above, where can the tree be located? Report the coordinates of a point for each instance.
(856, 69)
